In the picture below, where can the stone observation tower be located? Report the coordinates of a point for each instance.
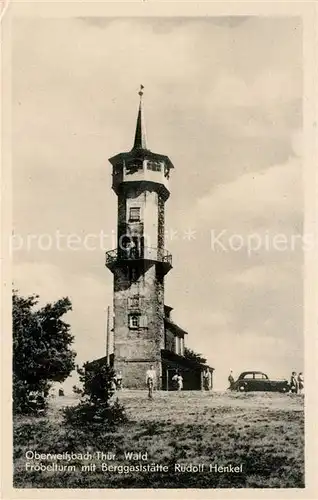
(140, 261)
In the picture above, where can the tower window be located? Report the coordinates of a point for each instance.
(134, 166)
(134, 320)
(154, 165)
(134, 302)
(134, 214)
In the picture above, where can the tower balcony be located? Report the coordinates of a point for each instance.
(130, 256)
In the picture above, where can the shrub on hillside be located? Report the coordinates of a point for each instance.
(97, 403)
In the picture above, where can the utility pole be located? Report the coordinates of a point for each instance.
(113, 332)
(107, 336)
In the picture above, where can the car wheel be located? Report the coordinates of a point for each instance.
(242, 388)
(284, 389)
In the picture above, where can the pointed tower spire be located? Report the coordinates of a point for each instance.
(140, 135)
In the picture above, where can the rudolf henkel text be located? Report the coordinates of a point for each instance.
(108, 461)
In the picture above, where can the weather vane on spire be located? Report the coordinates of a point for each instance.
(141, 90)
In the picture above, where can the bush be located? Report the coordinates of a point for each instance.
(29, 399)
(101, 413)
(97, 404)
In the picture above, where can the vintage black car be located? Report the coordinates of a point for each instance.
(258, 381)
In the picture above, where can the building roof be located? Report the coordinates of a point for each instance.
(165, 354)
(181, 360)
(174, 327)
(168, 308)
(100, 361)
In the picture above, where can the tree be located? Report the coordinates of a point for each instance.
(98, 382)
(41, 348)
(97, 404)
(193, 356)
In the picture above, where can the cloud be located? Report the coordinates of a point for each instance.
(223, 100)
(274, 194)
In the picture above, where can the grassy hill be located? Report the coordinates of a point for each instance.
(260, 433)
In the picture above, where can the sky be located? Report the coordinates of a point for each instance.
(223, 99)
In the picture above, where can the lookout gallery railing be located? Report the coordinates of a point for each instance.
(147, 253)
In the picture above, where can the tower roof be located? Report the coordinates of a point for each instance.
(140, 141)
(139, 149)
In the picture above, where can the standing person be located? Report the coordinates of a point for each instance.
(300, 380)
(231, 380)
(180, 382)
(151, 380)
(175, 380)
(293, 383)
(207, 379)
(119, 380)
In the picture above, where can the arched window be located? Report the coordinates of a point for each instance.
(134, 320)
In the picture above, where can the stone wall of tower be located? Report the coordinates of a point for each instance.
(148, 201)
(121, 210)
(161, 222)
(134, 373)
(136, 349)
